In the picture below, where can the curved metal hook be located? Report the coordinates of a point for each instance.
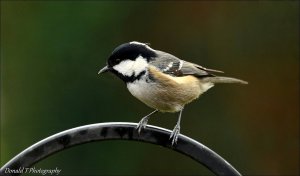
(123, 131)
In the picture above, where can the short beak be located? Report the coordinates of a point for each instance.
(103, 70)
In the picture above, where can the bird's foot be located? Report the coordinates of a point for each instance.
(142, 124)
(175, 133)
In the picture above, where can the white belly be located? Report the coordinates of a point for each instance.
(166, 99)
(150, 94)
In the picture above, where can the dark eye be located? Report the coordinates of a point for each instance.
(117, 61)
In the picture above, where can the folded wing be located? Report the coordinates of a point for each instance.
(174, 66)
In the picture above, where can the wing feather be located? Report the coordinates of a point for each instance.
(174, 66)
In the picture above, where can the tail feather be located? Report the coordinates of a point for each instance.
(221, 79)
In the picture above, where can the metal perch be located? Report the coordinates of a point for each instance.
(120, 131)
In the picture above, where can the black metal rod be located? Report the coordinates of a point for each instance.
(123, 131)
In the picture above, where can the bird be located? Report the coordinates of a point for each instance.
(161, 80)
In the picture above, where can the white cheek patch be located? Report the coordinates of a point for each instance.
(139, 65)
(130, 67)
(124, 67)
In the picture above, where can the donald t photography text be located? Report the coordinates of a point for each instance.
(33, 170)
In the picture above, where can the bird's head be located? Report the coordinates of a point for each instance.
(129, 61)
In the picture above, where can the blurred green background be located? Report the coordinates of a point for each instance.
(51, 52)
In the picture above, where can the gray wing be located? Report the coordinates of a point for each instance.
(174, 66)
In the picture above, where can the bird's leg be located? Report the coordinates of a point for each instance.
(176, 130)
(143, 122)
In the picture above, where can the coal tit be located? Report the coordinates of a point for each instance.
(161, 80)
